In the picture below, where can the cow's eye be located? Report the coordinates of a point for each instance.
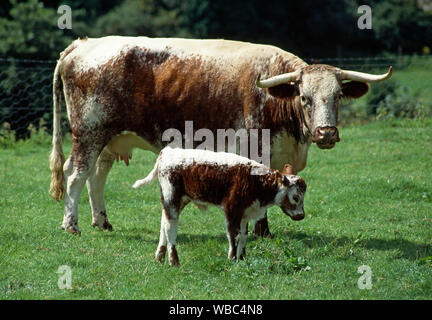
(304, 100)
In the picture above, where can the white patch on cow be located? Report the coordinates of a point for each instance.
(285, 149)
(93, 113)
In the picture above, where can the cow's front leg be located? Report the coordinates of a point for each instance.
(96, 186)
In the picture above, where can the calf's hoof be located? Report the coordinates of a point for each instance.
(261, 229)
(173, 259)
(160, 254)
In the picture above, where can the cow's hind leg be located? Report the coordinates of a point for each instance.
(96, 186)
(77, 169)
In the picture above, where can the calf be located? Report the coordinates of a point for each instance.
(243, 188)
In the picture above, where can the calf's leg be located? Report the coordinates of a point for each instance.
(162, 246)
(171, 227)
(236, 234)
(261, 228)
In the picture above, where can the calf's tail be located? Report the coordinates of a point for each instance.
(150, 178)
(57, 159)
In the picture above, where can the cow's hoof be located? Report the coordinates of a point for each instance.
(73, 230)
(100, 220)
(105, 226)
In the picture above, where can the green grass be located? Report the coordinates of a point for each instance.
(369, 202)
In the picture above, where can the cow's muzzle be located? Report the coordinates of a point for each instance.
(326, 137)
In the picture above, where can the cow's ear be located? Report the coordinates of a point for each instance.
(283, 91)
(354, 89)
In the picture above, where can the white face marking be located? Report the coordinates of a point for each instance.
(291, 192)
(321, 87)
(93, 112)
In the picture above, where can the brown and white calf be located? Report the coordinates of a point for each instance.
(243, 188)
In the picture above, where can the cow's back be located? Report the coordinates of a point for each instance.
(148, 85)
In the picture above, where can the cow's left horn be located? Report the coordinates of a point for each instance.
(277, 80)
(365, 77)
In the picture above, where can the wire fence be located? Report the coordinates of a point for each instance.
(26, 86)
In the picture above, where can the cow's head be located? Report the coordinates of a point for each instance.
(290, 197)
(318, 89)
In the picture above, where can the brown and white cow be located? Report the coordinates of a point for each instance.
(124, 92)
(226, 180)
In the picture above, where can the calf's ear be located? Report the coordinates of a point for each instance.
(354, 89)
(285, 180)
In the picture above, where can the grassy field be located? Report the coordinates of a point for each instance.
(369, 202)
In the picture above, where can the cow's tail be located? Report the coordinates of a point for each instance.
(57, 159)
(150, 177)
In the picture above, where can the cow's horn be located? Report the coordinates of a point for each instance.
(277, 80)
(365, 77)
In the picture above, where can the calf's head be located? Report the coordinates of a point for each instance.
(318, 89)
(290, 197)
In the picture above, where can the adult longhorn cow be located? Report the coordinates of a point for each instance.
(124, 92)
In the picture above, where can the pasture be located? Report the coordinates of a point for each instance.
(369, 202)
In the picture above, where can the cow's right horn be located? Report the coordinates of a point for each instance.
(277, 80)
(365, 77)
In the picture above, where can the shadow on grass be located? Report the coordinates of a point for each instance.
(151, 236)
(409, 250)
